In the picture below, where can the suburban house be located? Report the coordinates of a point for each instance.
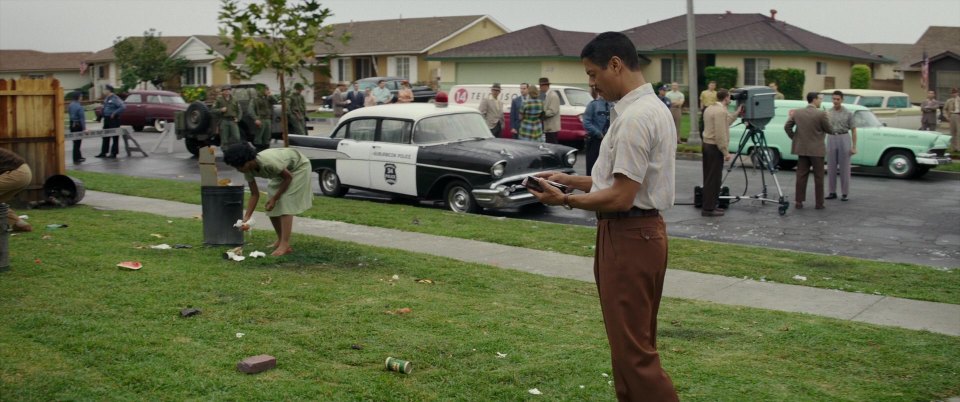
(68, 68)
(751, 43)
(402, 47)
(942, 48)
(516, 57)
(205, 54)
(887, 72)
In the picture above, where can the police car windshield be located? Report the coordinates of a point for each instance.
(450, 128)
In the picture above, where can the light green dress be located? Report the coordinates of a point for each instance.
(270, 165)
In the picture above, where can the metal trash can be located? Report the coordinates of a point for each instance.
(4, 238)
(63, 190)
(222, 206)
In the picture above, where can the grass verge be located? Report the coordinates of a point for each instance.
(73, 326)
(822, 271)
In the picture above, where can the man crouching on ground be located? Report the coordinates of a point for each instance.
(632, 182)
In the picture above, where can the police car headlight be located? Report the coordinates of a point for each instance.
(571, 158)
(497, 170)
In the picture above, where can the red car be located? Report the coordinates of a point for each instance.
(148, 109)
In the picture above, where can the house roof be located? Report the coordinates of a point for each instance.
(31, 60)
(892, 51)
(173, 43)
(738, 33)
(536, 41)
(935, 41)
(399, 36)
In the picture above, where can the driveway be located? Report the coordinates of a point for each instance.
(913, 221)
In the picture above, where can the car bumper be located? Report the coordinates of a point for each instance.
(508, 197)
(933, 159)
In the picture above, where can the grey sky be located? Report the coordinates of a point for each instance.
(91, 25)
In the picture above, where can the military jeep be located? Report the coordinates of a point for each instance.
(199, 125)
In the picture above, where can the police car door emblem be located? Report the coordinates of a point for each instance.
(390, 173)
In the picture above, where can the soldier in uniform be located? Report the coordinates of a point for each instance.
(263, 111)
(230, 115)
(297, 110)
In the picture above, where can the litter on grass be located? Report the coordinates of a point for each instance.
(399, 311)
(157, 235)
(182, 246)
(240, 334)
(424, 280)
(163, 246)
(235, 254)
(244, 226)
(800, 277)
(257, 254)
(535, 391)
(131, 265)
(501, 355)
(54, 226)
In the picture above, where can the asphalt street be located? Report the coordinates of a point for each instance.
(913, 221)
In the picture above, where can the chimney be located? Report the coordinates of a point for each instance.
(728, 12)
(773, 14)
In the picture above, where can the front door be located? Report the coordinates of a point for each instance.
(393, 160)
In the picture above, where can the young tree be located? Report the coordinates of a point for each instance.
(275, 35)
(144, 59)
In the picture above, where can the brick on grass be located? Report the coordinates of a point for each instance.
(256, 364)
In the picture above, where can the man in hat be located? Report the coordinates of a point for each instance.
(491, 108)
(339, 101)
(951, 109)
(230, 115)
(551, 111)
(297, 110)
(263, 110)
(112, 108)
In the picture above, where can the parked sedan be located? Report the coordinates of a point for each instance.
(902, 153)
(430, 152)
(421, 93)
(149, 109)
(891, 108)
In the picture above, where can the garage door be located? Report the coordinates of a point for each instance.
(502, 72)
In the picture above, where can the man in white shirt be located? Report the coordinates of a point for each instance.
(631, 183)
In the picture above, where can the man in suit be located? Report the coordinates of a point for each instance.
(340, 101)
(355, 97)
(551, 111)
(808, 127)
(491, 108)
(515, 105)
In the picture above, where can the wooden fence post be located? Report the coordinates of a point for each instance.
(32, 125)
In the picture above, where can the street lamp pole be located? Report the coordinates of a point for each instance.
(694, 137)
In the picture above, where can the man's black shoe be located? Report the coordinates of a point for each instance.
(112, 156)
(101, 156)
(81, 160)
(844, 198)
(832, 196)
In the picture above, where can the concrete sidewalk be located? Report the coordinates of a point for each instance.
(882, 310)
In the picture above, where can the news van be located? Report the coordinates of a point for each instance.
(573, 102)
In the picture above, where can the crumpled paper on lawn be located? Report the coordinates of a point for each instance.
(244, 225)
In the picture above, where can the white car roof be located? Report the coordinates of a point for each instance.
(865, 92)
(797, 104)
(411, 111)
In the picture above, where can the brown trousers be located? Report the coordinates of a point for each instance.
(712, 172)
(10, 184)
(804, 163)
(629, 266)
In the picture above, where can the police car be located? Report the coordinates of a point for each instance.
(429, 152)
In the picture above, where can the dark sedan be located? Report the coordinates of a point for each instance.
(148, 109)
(429, 152)
(421, 93)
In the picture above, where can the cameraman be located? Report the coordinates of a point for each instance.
(596, 120)
(716, 140)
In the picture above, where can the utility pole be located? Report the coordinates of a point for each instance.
(694, 138)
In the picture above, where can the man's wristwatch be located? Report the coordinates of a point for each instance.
(566, 201)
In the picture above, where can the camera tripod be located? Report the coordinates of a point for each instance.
(755, 139)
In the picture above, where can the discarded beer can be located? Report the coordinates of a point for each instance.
(400, 366)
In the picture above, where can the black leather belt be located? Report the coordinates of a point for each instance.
(840, 133)
(633, 212)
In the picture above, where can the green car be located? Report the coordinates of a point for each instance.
(902, 153)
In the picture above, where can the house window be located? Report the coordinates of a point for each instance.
(37, 76)
(102, 72)
(341, 70)
(196, 75)
(821, 68)
(753, 71)
(403, 67)
(671, 70)
(362, 68)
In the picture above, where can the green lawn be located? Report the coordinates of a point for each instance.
(830, 272)
(73, 326)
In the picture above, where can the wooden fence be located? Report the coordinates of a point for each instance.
(31, 125)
